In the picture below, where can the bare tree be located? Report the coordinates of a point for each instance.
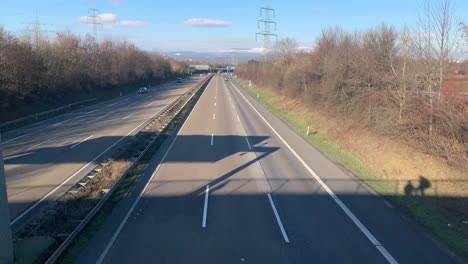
(285, 50)
(399, 65)
(446, 37)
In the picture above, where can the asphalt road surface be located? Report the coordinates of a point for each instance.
(236, 185)
(44, 160)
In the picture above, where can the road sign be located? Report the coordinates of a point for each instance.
(229, 68)
(250, 83)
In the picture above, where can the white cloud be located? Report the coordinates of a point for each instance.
(305, 49)
(113, 20)
(204, 22)
(132, 23)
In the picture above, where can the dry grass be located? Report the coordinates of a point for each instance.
(393, 159)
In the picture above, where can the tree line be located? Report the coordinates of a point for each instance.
(37, 69)
(404, 83)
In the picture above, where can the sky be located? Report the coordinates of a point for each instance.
(207, 25)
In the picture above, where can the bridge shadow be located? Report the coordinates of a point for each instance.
(166, 224)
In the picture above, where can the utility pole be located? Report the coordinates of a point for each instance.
(6, 242)
(266, 13)
(36, 30)
(94, 20)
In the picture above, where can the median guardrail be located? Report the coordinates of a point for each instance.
(72, 236)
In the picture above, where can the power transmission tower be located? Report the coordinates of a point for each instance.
(94, 20)
(6, 243)
(36, 30)
(266, 32)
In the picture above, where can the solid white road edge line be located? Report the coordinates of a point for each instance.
(205, 207)
(128, 116)
(99, 118)
(35, 146)
(15, 138)
(124, 221)
(335, 198)
(59, 123)
(81, 169)
(278, 219)
(81, 141)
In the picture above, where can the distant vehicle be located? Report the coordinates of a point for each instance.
(202, 75)
(179, 80)
(142, 90)
(225, 78)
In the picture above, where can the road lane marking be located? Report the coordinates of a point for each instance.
(15, 138)
(24, 213)
(113, 104)
(278, 219)
(90, 112)
(212, 135)
(130, 211)
(214, 116)
(149, 104)
(128, 116)
(238, 119)
(334, 197)
(215, 104)
(35, 146)
(248, 143)
(59, 123)
(205, 207)
(80, 142)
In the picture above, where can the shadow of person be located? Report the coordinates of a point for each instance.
(409, 188)
(424, 184)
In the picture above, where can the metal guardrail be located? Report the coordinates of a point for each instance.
(58, 252)
(36, 117)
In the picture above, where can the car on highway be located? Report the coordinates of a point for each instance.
(142, 90)
(179, 80)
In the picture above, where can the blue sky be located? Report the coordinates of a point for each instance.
(159, 25)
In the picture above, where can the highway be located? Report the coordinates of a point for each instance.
(236, 185)
(43, 160)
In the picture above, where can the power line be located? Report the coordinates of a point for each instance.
(35, 28)
(94, 20)
(266, 21)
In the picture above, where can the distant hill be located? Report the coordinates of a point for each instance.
(216, 57)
